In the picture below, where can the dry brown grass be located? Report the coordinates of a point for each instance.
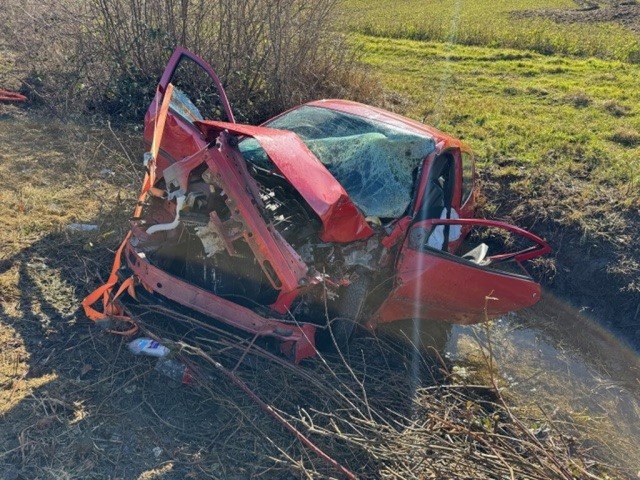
(615, 108)
(626, 137)
(51, 182)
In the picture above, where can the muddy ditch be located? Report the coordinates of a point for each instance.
(77, 404)
(595, 265)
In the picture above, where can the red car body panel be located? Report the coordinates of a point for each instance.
(282, 265)
(201, 161)
(341, 219)
(437, 285)
(298, 340)
(180, 139)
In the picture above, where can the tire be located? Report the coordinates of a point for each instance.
(349, 310)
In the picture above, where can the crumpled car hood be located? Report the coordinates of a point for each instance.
(341, 219)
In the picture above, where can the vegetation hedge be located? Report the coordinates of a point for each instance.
(105, 56)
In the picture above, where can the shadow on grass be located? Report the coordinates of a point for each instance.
(75, 409)
(103, 413)
(83, 407)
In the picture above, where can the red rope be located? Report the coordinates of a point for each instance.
(7, 96)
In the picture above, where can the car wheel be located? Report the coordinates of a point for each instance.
(349, 310)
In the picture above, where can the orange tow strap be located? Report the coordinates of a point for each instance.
(112, 310)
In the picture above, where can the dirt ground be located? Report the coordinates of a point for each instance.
(623, 12)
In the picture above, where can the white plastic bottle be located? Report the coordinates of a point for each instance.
(147, 346)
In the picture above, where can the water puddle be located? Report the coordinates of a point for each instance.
(557, 366)
(560, 365)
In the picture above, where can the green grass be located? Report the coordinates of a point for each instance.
(480, 22)
(562, 116)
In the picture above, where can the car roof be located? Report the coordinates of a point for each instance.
(384, 116)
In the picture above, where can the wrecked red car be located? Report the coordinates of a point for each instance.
(329, 215)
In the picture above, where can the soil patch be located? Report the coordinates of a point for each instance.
(623, 12)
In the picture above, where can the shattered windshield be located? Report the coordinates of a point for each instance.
(374, 162)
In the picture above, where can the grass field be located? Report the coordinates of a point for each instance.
(557, 133)
(521, 105)
(478, 22)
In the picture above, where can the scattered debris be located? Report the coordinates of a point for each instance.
(157, 451)
(175, 370)
(82, 227)
(147, 346)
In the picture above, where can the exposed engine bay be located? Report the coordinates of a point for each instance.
(208, 249)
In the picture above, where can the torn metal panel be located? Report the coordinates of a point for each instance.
(342, 221)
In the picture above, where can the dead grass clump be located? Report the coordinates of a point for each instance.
(108, 55)
(389, 412)
(626, 137)
(578, 100)
(615, 108)
(385, 412)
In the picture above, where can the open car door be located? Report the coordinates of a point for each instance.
(434, 284)
(197, 95)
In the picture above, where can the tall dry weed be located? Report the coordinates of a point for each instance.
(106, 55)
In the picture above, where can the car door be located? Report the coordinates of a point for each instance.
(467, 287)
(447, 190)
(198, 94)
(443, 275)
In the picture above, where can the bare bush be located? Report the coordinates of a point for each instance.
(106, 55)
